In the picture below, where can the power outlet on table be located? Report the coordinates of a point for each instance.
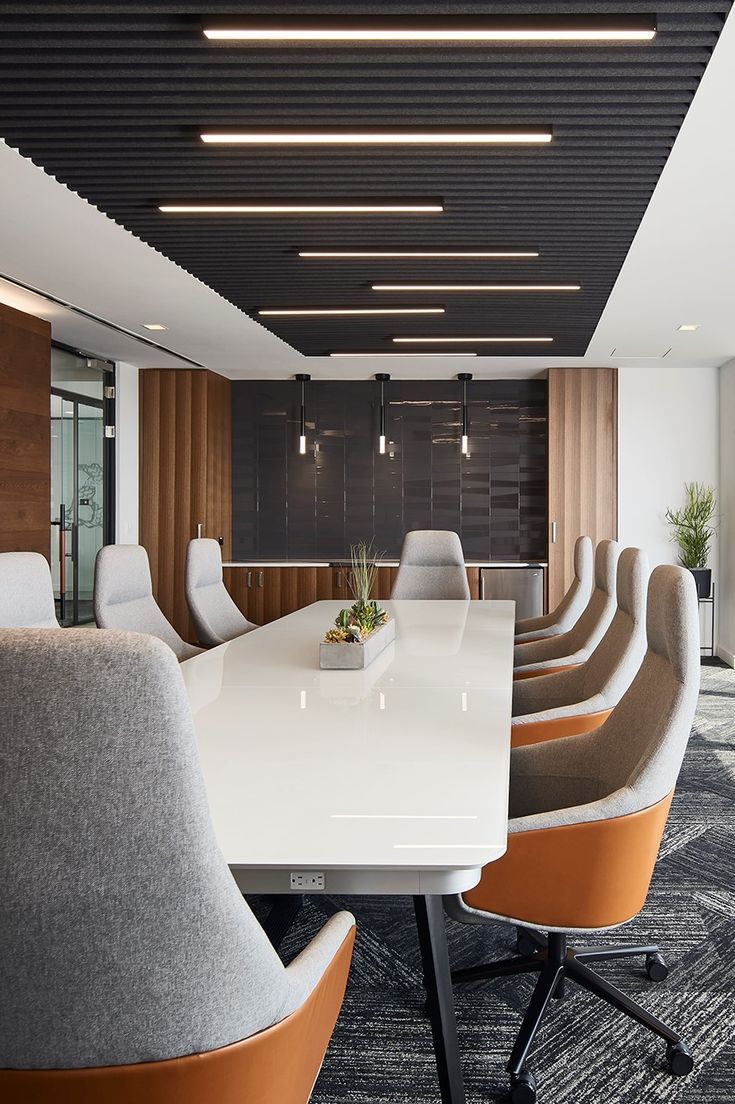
(307, 881)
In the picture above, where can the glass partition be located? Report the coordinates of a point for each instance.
(80, 506)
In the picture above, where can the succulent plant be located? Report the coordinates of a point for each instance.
(356, 623)
(336, 636)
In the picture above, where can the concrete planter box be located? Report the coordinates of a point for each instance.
(355, 657)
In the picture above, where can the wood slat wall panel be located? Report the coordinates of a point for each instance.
(582, 465)
(25, 432)
(185, 475)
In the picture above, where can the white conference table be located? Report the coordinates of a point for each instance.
(392, 780)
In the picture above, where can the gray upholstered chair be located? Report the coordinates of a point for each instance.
(216, 617)
(431, 566)
(562, 618)
(577, 645)
(26, 592)
(132, 969)
(587, 814)
(578, 700)
(123, 597)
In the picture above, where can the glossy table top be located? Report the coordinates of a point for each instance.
(403, 766)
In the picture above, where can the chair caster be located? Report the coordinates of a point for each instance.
(680, 1059)
(656, 968)
(525, 943)
(523, 1087)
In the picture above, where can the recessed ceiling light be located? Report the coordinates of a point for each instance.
(391, 136)
(501, 29)
(343, 208)
(402, 355)
(476, 340)
(355, 310)
(154, 326)
(688, 327)
(344, 254)
(476, 287)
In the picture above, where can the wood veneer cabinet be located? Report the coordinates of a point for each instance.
(185, 475)
(583, 453)
(25, 432)
(268, 592)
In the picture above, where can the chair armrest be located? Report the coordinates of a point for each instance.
(310, 965)
(592, 874)
(536, 732)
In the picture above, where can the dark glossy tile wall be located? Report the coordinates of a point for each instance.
(286, 505)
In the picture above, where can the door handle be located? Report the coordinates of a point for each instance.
(339, 579)
(249, 579)
(260, 578)
(553, 532)
(200, 529)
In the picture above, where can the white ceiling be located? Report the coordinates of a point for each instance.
(680, 269)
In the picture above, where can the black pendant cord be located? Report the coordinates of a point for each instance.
(303, 378)
(464, 444)
(382, 377)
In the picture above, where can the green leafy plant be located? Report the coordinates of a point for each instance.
(693, 525)
(365, 615)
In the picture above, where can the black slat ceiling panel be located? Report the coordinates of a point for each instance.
(111, 97)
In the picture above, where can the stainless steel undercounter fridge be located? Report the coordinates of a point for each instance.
(523, 584)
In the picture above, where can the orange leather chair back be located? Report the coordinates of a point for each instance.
(276, 1066)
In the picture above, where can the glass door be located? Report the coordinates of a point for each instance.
(62, 500)
(81, 506)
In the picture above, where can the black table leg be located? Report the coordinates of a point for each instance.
(440, 998)
(284, 910)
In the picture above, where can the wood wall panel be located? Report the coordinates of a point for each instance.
(583, 436)
(25, 432)
(185, 475)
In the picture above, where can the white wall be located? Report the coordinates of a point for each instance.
(668, 435)
(126, 469)
(726, 633)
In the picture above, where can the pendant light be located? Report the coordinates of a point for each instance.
(464, 376)
(382, 378)
(302, 378)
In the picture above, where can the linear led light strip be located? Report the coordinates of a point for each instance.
(378, 137)
(402, 355)
(475, 340)
(299, 208)
(355, 310)
(326, 254)
(469, 29)
(476, 287)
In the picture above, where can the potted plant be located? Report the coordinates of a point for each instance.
(362, 631)
(694, 529)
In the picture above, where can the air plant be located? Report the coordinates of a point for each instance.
(365, 564)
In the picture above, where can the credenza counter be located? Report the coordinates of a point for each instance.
(267, 589)
(383, 563)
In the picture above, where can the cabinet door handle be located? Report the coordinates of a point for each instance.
(200, 529)
(250, 579)
(339, 578)
(260, 578)
(553, 532)
(349, 579)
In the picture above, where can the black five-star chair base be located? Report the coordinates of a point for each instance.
(555, 963)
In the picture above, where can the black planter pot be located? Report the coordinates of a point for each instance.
(703, 580)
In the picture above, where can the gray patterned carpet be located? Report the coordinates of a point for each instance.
(381, 1049)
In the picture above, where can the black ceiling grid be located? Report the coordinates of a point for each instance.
(111, 97)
